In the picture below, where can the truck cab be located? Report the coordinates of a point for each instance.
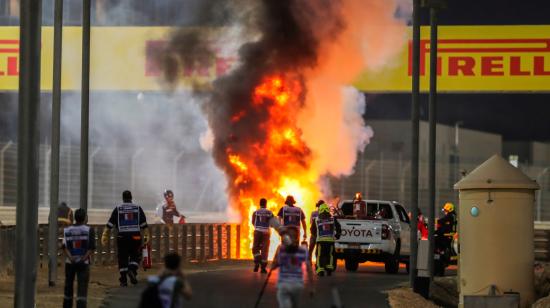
(382, 235)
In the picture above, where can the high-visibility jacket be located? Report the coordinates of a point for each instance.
(78, 239)
(325, 229)
(261, 218)
(292, 216)
(128, 218)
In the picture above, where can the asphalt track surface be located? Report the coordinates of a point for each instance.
(239, 287)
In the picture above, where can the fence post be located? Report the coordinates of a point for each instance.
(193, 242)
(203, 243)
(107, 250)
(113, 248)
(210, 241)
(158, 242)
(228, 241)
(41, 245)
(184, 243)
(166, 230)
(238, 242)
(99, 246)
(175, 240)
(2, 182)
(220, 246)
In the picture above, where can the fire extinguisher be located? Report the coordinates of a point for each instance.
(146, 253)
(181, 221)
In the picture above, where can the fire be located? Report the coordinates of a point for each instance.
(276, 164)
(236, 161)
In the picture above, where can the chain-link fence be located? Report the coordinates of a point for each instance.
(146, 172)
(388, 176)
(385, 176)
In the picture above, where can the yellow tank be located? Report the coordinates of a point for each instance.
(495, 227)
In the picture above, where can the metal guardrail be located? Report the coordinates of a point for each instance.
(194, 242)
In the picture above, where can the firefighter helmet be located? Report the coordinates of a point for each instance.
(448, 207)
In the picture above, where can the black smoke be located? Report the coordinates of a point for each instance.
(288, 35)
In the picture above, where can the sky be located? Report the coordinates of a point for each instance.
(515, 116)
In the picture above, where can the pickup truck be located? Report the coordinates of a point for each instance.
(381, 236)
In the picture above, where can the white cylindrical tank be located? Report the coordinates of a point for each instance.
(495, 227)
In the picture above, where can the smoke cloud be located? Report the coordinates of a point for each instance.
(146, 142)
(318, 48)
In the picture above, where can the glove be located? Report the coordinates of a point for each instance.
(105, 237)
(146, 236)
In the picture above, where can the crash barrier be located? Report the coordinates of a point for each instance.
(542, 243)
(194, 242)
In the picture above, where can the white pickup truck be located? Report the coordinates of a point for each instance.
(382, 236)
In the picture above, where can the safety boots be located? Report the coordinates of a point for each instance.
(133, 276)
(123, 280)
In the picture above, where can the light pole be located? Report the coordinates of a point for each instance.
(434, 6)
(415, 119)
(26, 228)
(85, 104)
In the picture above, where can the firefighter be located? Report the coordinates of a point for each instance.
(78, 245)
(260, 249)
(313, 238)
(446, 229)
(168, 210)
(447, 224)
(129, 219)
(290, 258)
(359, 206)
(327, 229)
(64, 215)
(291, 218)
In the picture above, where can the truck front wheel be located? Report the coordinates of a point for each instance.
(391, 264)
(351, 264)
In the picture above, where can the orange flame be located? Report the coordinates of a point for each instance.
(278, 165)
